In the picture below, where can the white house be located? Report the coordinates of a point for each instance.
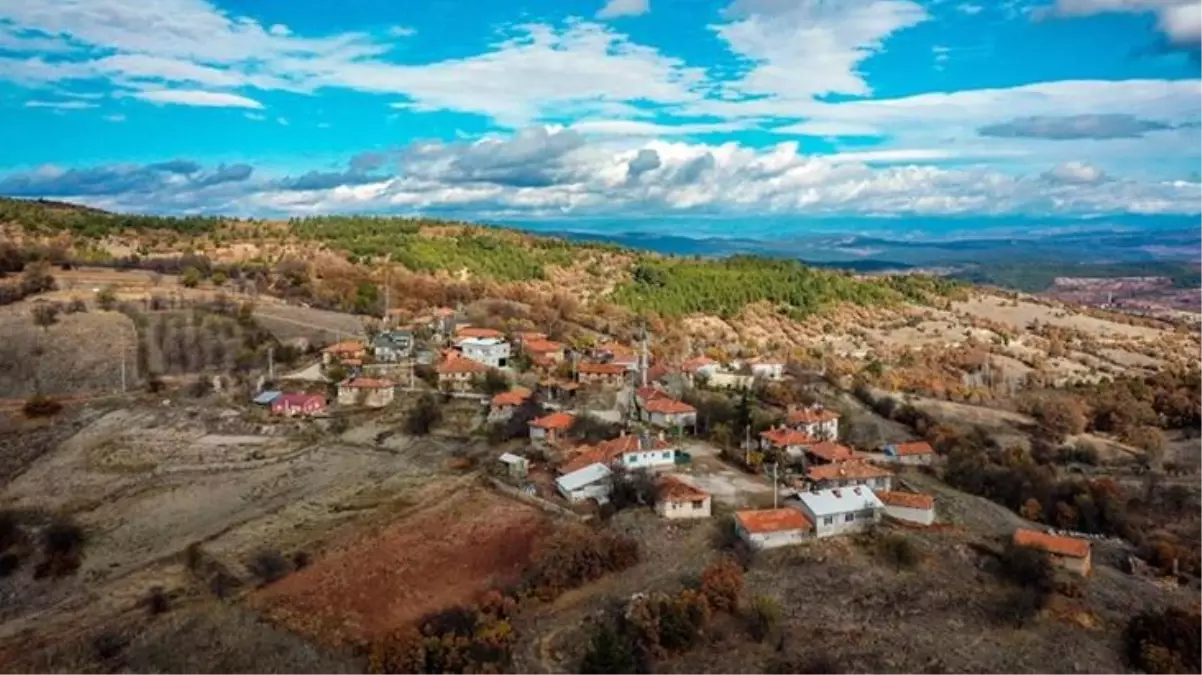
(910, 507)
(668, 413)
(630, 452)
(790, 441)
(815, 421)
(592, 482)
(392, 346)
(849, 474)
(919, 452)
(678, 500)
(841, 510)
(490, 351)
(370, 392)
(773, 528)
(768, 369)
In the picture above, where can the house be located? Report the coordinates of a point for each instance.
(604, 374)
(555, 390)
(490, 351)
(469, 332)
(505, 403)
(291, 405)
(773, 528)
(594, 481)
(723, 379)
(919, 452)
(841, 510)
(1069, 553)
(529, 336)
(644, 394)
(848, 474)
(551, 428)
(392, 346)
(440, 321)
(910, 507)
(618, 354)
(340, 351)
(676, 500)
(768, 369)
(457, 373)
(699, 365)
(826, 452)
(366, 391)
(513, 466)
(668, 413)
(543, 352)
(815, 421)
(788, 441)
(629, 451)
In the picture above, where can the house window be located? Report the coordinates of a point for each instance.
(849, 517)
(698, 503)
(668, 454)
(829, 520)
(631, 459)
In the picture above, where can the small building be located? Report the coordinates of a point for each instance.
(392, 346)
(470, 333)
(366, 391)
(724, 379)
(816, 421)
(504, 404)
(514, 466)
(909, 507)
(848, 474)
(699, 365)
(456, 373)
(543, 352)
(528, 336)
(557, 391)
(489, 351)
(291, 405)
(341, 351)
(629, 451)
(604, 374)
(668, 413)
(773, 528)
(841, 510)
(767, 368)
(1069, 553)
(644, 394)
(551, 428)
(826, 452)
(676, 499)
(594, 481)
(266, 397)
(789, 441)
(916, 453)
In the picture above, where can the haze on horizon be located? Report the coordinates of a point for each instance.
(640, 109)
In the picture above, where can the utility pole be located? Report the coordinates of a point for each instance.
(774, 490)
(123, 370)
(271, 363)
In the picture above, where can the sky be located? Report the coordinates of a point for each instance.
(614, 109)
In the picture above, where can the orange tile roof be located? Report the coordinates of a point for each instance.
(648, 393)
(515, 396)
(587, 455)
(470, 332)
(916, 448)
(773, 520)
(525, 336)
(658, 371)
(1066, 546)
(909, 500)
(352, 362)
(672, 489)
(601, 368)
(556, 420)
(367, 383)
(691, 365)
(847, 469)
(630, 443)
(808, 416)
(783, 438)
(541, 346)
(668, 406)
(443, 311)
(831, 452)
(460, 365)
(347, 347)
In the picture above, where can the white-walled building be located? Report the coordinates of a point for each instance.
(768, 369)
(841, 510)
(679, 500)
(816, 421)
(849, 474)
(594, 481)
(490, 351)
(668, 413)
(910, 507)
(916, 453)
(773, 528)
(366, 391)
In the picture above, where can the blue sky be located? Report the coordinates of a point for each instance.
(638, 108)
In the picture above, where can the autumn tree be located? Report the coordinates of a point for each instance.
(722, 583)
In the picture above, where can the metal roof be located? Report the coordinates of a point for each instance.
(839, 500)
(510, 458)
(586, 476)
(267, 397)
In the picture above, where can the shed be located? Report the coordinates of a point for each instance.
(591, 482)
(841, 510)
(515, 465)
(266, 397)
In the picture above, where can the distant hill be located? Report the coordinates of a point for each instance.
(1037, 277)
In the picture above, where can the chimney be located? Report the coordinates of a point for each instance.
(856, 490)
(838, 494)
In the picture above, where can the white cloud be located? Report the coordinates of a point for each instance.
(255, 117)
(194, 97)
(115, 118)
(402, 31)
(1179, 20)
(969, 9)
(1075, 172)
(60, 105)
(618, 8)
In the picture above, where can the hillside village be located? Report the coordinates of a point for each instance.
(478, 483)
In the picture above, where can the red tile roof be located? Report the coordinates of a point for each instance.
(648, 393)
(831, 452)
(601, 368)
(658, 371)
(849, 469)
(443, 311)
(916, 448)
(470, 332)
(528, 336)
(672, 489)
(541, 346)
(587, 455)
(1065, 546)
(515, 396)
(693, 364)
(290, 400)
(772, 520)
(809, 416)
(783, 438)
(909, 500)
(460, 365)
(556, 420)
(630, 443)
(348, 347)
(367, 383)
(668, 406)
(608, 451)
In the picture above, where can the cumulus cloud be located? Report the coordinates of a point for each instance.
(645, 160)
(140, 182)
(1074, 127)
(618, 8)
(1075, 172)
(1179, 21)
